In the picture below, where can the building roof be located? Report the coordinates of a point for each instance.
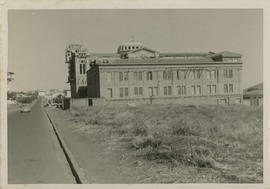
(163, 61)
(183, 54)
(226, 54)
(114, 55)
(256, 90)
(142, 48)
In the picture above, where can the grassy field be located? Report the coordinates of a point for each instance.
(183, 144)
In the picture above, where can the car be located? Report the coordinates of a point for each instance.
(25, 109)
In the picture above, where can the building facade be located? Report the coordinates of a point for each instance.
(142, 75)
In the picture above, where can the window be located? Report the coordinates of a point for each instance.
(121, 92)
(225, 73)
(170, 75)
(225, 88)
(155, 91)
(109, 76)
(178, 75)
(198, 90)
(193, 90)
(165, 91)
(136, 76)
(230, 73)
(213, 74)
(140, 76)
(209, 89)
(198, 74)
(125, 76)
(140, 91)
(110, 92)
(192, 74)
(208, 74)
(230, 88)
(167, 75)
(169, 90)
(136, 91)
(181, 90)
(126, 91)
(80, 68)
(120, 76)
(213, 89)
(149, 76)
(164, 75)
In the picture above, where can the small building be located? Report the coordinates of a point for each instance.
(253, 96)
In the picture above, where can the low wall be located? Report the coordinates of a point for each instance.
(194, 100)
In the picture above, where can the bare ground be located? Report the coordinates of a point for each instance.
(173, 143)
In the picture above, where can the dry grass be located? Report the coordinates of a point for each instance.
(186, 143)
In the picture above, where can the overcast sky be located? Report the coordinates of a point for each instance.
(38, 38)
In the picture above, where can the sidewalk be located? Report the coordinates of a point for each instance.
(97, 162)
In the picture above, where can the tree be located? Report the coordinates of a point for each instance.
(10, 76)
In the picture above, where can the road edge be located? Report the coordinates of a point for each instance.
(78, 174)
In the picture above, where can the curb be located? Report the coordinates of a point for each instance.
(74, 166)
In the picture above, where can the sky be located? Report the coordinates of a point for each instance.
(37, 38)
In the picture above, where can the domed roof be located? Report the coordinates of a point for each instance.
(130, 43)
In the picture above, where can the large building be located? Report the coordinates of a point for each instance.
(142, 75)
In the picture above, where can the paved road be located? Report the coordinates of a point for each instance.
(34, 155)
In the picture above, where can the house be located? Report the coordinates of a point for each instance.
(253, 96)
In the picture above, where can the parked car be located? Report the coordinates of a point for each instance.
(25, 109)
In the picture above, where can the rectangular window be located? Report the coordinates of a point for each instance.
(208, 74)
(230, 88)
(83, 68)
(135, 76)
(164, 75)
(192, 74)
(225, 88)
(140, 91)
(149, 76)
(125, 76)
(126, 91)
(120, 76)
(184, 92)
(140, 76)
(198, 90)
(193, 89)
(183, 74)
(135, 91)
(109, 76)
(213, 74)
(213, 89)
(225, 74)
(121, 92)
(170, 75)
(165, 91)
(230, 73)
(209, 89)
(155, 91)
(198, 74)
(80, 68)
(110, 92)
(169, 90)
(181, 90)
(178, 75)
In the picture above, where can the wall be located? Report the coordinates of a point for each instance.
(210, 100)
(159, 82)
(93, 82)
